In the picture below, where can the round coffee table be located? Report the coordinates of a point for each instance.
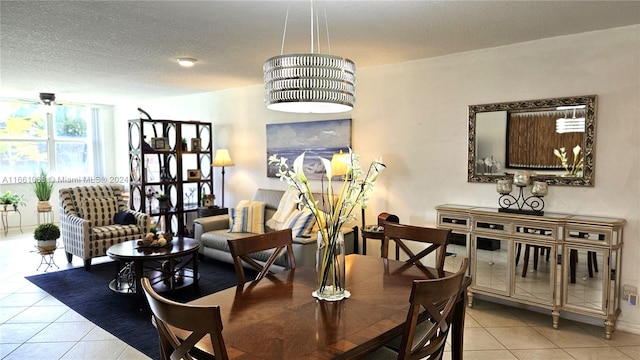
(168, 272)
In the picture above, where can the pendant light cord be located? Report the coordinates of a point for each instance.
(284, 33)
(326, 25)
(317, 31)
(311, 3)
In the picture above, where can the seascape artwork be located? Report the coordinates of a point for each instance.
(316, 138)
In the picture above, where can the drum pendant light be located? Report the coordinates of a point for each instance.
(311, 82)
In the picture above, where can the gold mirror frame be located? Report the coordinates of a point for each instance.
(588, 146)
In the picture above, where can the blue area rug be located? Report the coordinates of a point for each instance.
(88, 294)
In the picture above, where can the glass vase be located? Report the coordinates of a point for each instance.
(330, 269)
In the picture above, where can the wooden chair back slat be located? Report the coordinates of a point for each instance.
(201, 321)
(434, 299)
(438, 238)
(276, 240)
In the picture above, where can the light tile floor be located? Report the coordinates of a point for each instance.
(34, 325)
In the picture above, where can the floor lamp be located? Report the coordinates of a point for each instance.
(222, 159)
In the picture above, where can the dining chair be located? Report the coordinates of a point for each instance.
(277, 240)
(193, 321)
(438, 238)
(429, 319)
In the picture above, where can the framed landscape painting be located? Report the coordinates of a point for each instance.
(317, 138)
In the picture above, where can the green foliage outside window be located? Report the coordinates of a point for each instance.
(26, 135)
(22, 122)
(69, 122)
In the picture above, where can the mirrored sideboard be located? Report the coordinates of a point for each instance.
(561, 262)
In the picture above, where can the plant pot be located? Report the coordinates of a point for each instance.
(44, 206)
(46, 246)
(163, 204)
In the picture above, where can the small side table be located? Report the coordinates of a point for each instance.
(371, 232)
(4, 216)
(47, 259)
(45, 217)
(213, 211)
(377, 231)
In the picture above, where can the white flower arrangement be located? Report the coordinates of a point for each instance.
(355, 191)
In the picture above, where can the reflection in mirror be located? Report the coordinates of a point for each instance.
(552, 137)
(585, 278)
(491, 270)
(456, 251)
(534, 271)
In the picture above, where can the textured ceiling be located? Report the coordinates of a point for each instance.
(103, 51)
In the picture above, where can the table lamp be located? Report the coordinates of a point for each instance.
(339, 164)
(222, 159)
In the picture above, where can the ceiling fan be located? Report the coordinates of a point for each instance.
(48, 102)
(47, 98)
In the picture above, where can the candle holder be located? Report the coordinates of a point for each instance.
(512, 204)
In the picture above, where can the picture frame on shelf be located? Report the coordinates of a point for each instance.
(160, 143)
(196, 144)
(194, 174)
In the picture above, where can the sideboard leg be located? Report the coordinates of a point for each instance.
(609, 328)
(555, 314)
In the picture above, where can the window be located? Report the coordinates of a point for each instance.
(61, 139)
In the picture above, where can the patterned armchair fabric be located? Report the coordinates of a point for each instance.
(87, 221)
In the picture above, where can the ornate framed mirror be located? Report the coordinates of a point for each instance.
(555, 138)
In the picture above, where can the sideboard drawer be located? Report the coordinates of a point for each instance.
(535, 230)
(594, 230)
(584, 234)
(492, 225)
(453, 221)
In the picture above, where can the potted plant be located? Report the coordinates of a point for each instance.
(9, 198)
(163, 201)
(42, 187)
(184, 144)
(46, 236)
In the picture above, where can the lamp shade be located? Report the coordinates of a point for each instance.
(339, 164)
(309, 83)
(222, 158)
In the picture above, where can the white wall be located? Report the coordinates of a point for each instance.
(415, 116)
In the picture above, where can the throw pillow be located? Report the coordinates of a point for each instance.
(248, 216)
(287, 203)
(300, 222)
(124, 218)
(100, 211)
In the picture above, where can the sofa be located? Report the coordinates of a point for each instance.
(93, 218)
(213, 232)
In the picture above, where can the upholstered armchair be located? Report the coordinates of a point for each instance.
(93, 218)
